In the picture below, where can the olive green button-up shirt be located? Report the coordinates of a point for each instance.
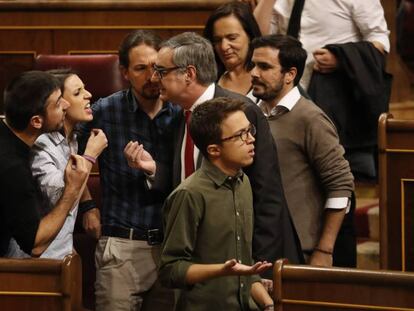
(208, 220)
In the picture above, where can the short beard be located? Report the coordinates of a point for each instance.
(150, 94)
(269, 94)
(48, 129)
(266, 96)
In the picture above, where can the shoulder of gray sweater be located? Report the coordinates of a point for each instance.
(309, 110)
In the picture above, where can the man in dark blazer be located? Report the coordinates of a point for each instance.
(186, 71)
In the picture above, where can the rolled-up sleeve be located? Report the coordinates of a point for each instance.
(369, 17)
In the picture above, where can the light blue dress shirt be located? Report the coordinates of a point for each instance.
(50, 155)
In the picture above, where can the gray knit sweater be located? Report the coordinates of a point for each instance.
(312, 166)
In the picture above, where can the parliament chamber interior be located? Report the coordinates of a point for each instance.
(85, 36)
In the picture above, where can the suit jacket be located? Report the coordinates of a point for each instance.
(274, 235)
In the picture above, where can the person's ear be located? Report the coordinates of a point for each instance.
(124, 72)
(213, 150)
(291, 75)
(36, 122)
(191, 73)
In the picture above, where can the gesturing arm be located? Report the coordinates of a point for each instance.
(76, 173)
(263, 14)
(202, 272)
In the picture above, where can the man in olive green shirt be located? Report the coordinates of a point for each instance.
(209, 218)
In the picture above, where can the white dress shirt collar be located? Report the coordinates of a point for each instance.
(288, 101)
(207, 95)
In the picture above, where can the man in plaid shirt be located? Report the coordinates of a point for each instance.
(127, 251)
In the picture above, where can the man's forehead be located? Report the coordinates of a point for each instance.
(265, 51)
(164, 55)
(235, 121)
(141, 53)
(266, 55)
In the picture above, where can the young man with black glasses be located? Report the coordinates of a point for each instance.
(209, 218)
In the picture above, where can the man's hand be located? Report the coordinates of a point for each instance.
(92, 223)
(379, 46)
(232, 267)
(97, 142)
(76, 172)
(139, 158)
(325, 61)
(268, 285)
(321, 259)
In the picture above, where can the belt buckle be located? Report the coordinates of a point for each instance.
(154, 236)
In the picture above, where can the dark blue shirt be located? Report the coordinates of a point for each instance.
(127, 201)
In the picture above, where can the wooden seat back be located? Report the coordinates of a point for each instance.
(308, 288)
(41, 284)
(396, 181)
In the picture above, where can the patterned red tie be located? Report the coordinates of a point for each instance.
(189, 148)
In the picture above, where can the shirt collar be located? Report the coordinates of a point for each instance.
(288, 101)
(207, 95)
(216, 175)
(56, 137)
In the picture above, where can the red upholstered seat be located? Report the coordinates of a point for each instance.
(99, 72)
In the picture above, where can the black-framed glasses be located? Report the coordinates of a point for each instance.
(161, 72)
(243, 134)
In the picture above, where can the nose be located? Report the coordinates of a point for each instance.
(155, 76)
(253, 72)
(149, 72)
(250, 139)
(88, 95)
(224, 44)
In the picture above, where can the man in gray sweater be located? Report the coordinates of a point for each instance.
(317, 179)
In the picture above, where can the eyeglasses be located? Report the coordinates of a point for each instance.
(161, 72)
(243, 134)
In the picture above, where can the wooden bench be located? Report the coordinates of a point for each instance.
(396, 180)
(308, 288)
(41, 284)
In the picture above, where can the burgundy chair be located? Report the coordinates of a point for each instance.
(99, 72)
(102, 77)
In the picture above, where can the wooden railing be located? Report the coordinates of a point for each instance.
(396, 180)
(41, 284)
(308, 288)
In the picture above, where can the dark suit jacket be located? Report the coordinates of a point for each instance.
(274, 235)
(353, 97)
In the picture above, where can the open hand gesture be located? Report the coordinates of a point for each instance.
(235, 268)
(139, 158)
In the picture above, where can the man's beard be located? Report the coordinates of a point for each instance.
(150, 91)
(48, 127)
(268, 94)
